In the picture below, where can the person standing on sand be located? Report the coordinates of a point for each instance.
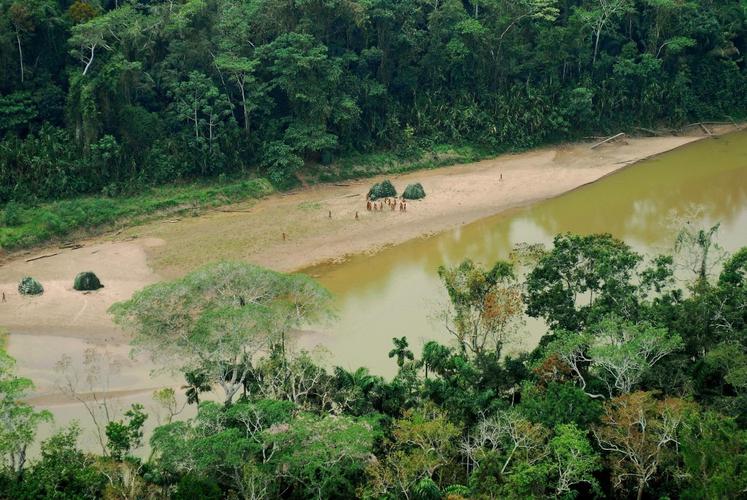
(4, 297)
(368, 205)
(356, 215)
(330, 214)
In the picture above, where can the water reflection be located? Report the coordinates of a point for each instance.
(393, 293)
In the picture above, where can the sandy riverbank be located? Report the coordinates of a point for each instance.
(145, 254)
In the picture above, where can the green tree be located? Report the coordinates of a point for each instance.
(221, 446)
(485, 306)
(582, 275)
(18, 419)
(557, 404)
(401, 351)
(617, 352)
(714, 452)
(197, 382)
(124, 436)
(64, 470)
(599, 14)
(217, 318)
(98, 34)
(324, 457)
(207, 112)
(422, 443)
(575, 461)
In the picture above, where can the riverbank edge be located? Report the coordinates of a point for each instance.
(312, 267)
(87, 235)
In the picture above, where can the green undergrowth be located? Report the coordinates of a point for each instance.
(36, 224)
(382, 163)
(24, 225)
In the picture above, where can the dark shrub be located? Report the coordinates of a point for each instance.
(29, 286)
(87, 281)
(414, 192)
(12, 214)
(191, 486)
(382, 190)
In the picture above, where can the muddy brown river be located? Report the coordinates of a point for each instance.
(396, 291)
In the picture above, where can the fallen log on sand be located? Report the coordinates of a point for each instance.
(705, 129)
(42, 257)
(71, 246)
(616, 136)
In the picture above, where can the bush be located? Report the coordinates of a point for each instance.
(86, 281)
(29, 286)
(382, 190)
(192, 486)
(12, 214)
(414, 192)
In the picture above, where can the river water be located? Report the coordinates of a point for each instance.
(396, 291)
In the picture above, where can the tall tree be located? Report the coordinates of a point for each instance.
(485, 305)
(582, 278)
(216, 319)
(18, 419)
(639, 433)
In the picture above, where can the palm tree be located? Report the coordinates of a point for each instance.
(197, 382)
(401, 351)
(360, 380)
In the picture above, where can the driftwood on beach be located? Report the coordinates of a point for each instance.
(42, 257)
(609, 139)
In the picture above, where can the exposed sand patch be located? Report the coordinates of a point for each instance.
(455, 195)
(61, 311)
(142, 255)
(136, 257)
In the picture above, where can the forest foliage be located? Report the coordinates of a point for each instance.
(110, 96)
(637, 389)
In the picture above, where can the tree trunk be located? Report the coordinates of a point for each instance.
(90, 60)
(197, 130)
(596, 46)
(21, 461)
(243, 105)
(20, 53)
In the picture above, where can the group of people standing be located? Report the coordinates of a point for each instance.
(392, 203)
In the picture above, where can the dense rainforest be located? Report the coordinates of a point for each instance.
(111, 96)
(638, 389)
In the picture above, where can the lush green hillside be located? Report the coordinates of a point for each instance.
(107, 96)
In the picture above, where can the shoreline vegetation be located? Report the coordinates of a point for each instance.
(135, 257)
(65, 222)
(195, 154)
(25, 227)
(629, 384)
